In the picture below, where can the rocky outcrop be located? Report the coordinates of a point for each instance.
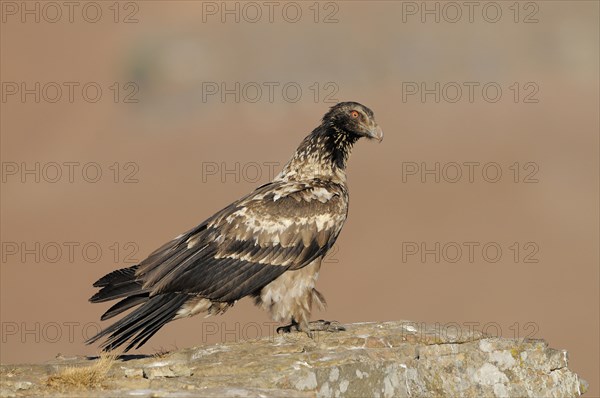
(390, 359)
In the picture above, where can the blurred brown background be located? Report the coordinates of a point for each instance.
(172, 152)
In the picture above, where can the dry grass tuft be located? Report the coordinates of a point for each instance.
(82, 377)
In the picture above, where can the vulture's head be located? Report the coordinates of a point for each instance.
(354, 119)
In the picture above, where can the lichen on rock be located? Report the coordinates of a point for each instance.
(389, 359)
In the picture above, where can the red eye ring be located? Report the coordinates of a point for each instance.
(354, 114)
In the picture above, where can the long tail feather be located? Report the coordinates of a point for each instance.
(138, 326)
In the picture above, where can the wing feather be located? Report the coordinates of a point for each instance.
(280, 226)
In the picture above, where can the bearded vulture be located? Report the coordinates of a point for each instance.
(268, 244)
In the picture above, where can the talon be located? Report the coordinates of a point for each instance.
(288, 328)
(284, 329)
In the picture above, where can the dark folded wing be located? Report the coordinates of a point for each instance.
(280, 226)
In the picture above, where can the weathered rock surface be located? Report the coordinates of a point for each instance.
(391, 359)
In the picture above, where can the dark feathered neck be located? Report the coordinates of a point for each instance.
(322, 154)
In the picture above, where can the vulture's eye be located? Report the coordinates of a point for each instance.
(354, 114)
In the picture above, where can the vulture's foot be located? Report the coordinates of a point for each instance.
(295, 326)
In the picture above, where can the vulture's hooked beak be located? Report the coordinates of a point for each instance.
(375, 132)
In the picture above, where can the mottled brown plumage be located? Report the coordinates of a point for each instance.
(267, 245)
